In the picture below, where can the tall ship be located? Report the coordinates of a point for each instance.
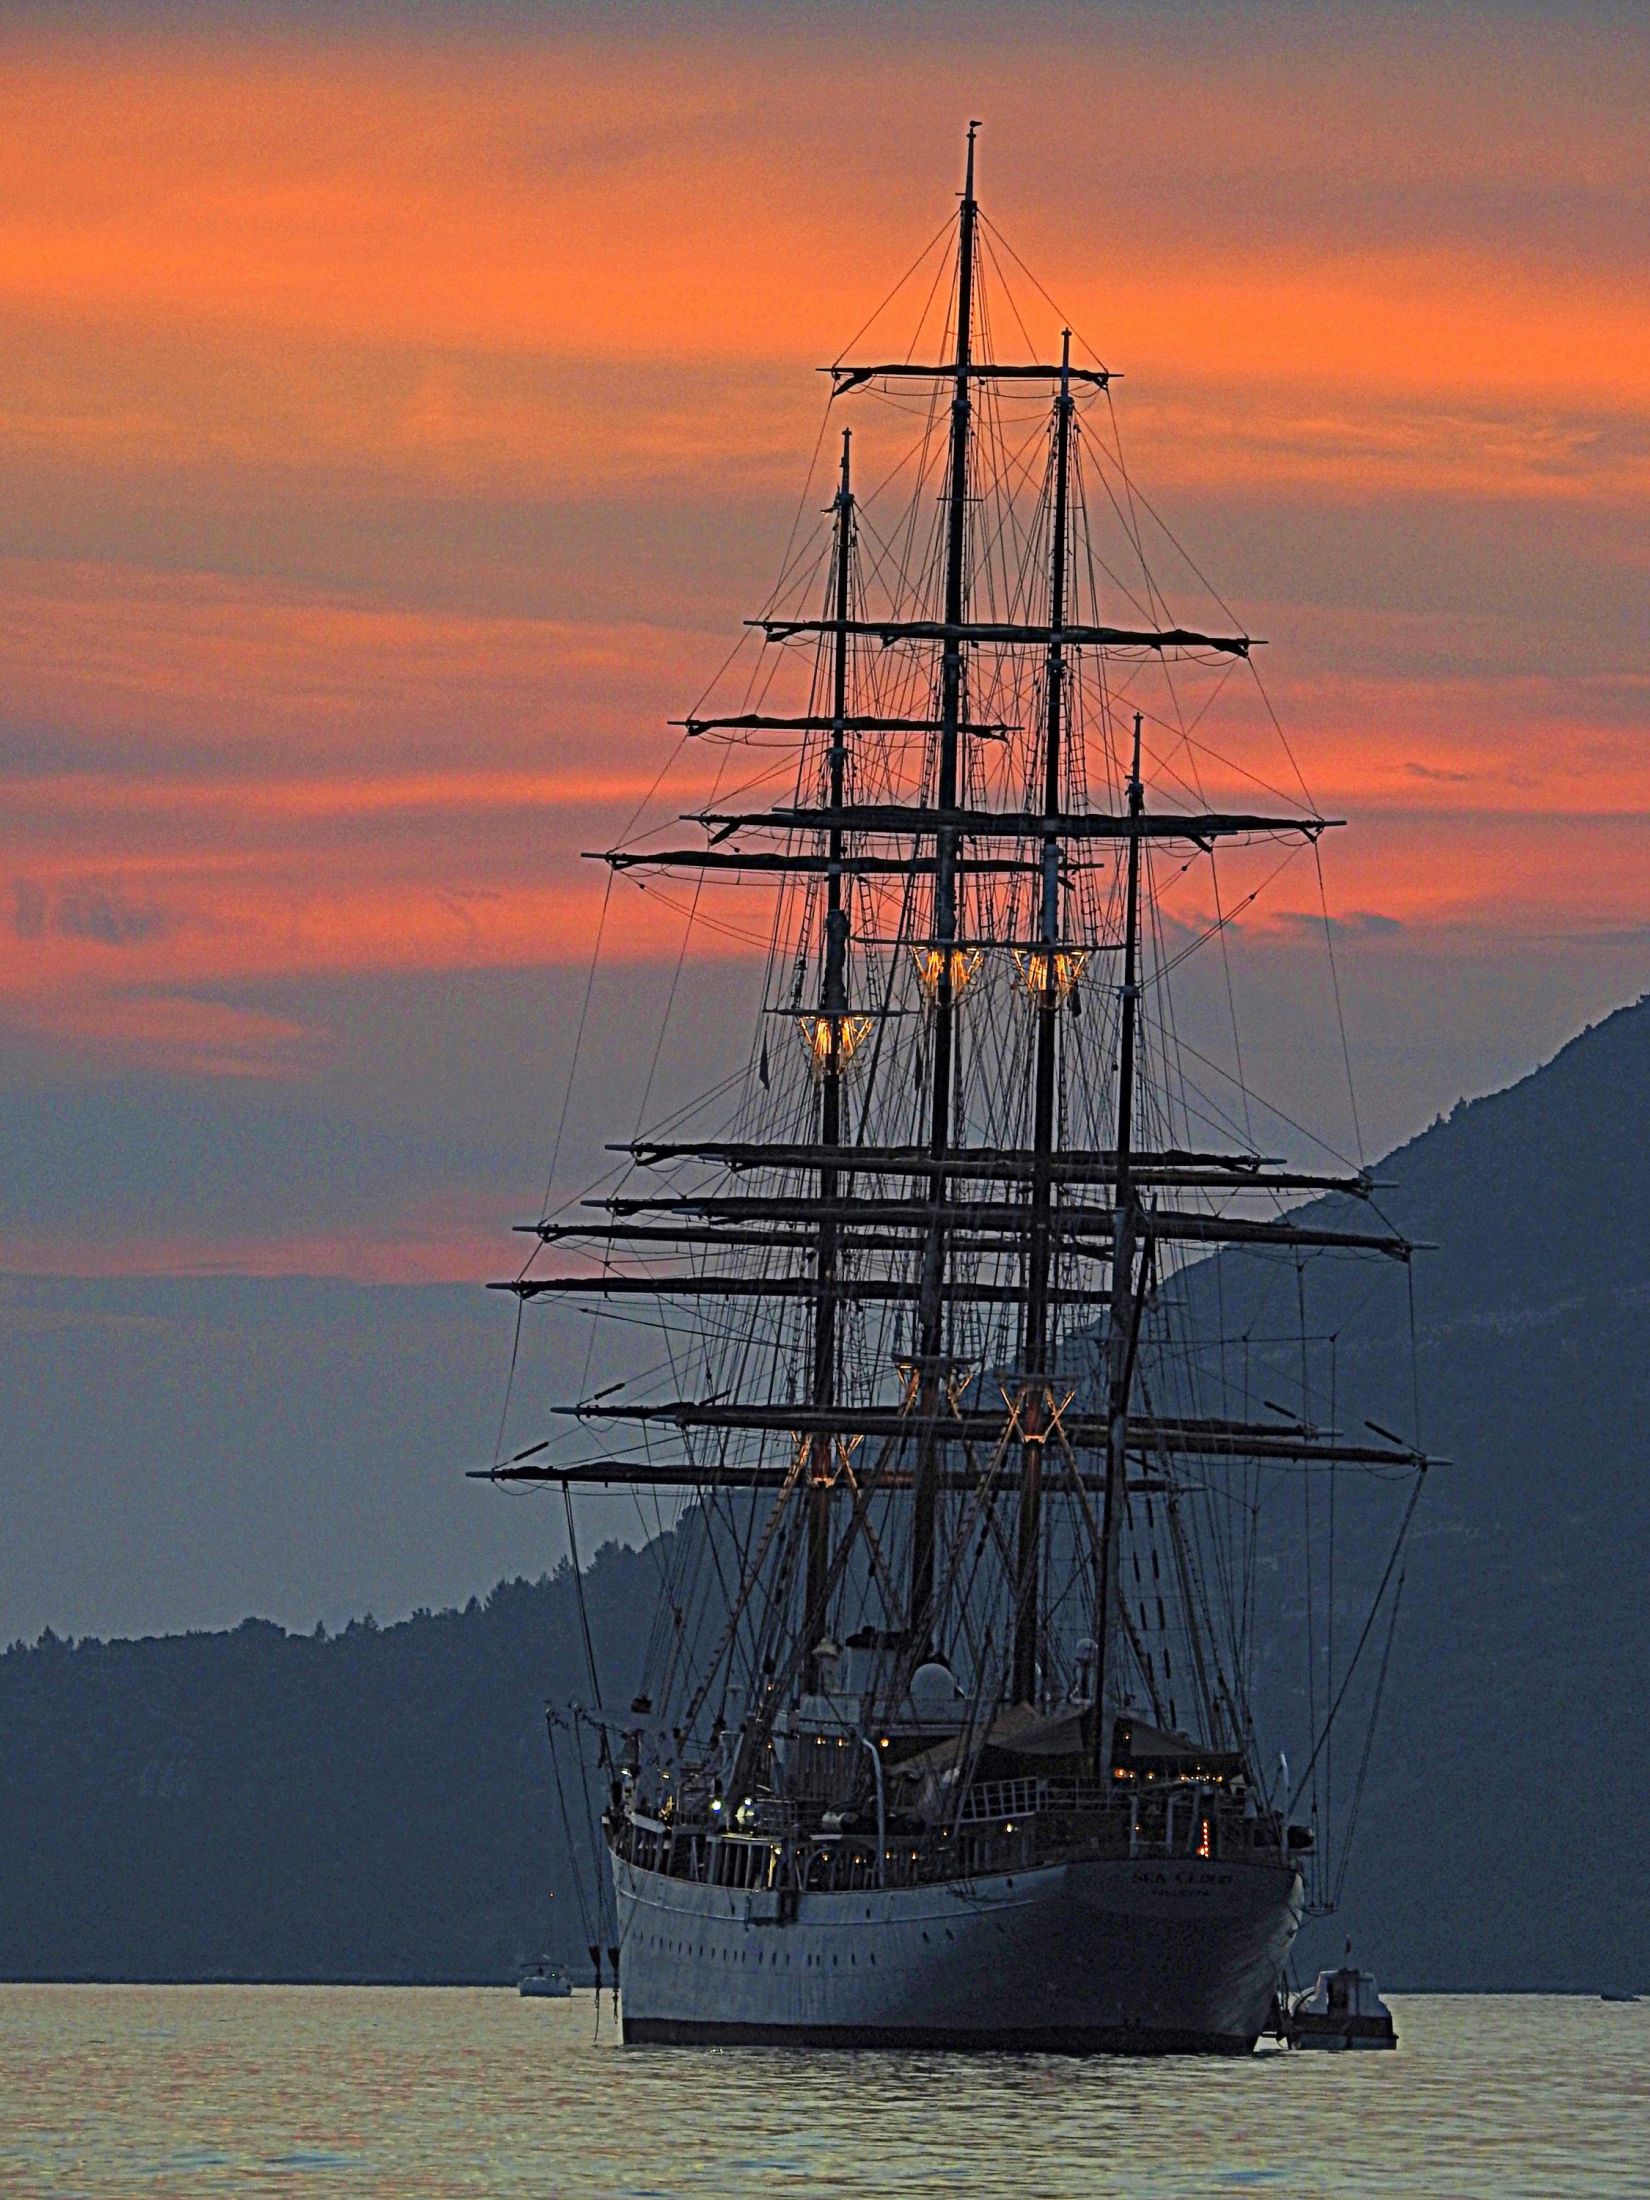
(977, 1472)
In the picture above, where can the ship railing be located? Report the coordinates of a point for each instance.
(1197, 1819)
(764, 1814)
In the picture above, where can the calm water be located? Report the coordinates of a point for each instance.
(109, 2091)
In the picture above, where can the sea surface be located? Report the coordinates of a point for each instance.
(341, 2091)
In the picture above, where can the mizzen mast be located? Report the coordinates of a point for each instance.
(1049, 966)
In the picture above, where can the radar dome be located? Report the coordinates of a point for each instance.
(933, 1683)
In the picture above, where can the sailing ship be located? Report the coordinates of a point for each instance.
(944, 1736)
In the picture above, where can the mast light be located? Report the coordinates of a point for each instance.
(832, 1040)
(931, 962)
(1069, 965)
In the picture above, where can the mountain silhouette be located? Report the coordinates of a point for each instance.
(381, 1803)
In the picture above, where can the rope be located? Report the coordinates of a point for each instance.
(550, 1725)
(1340, 1016)
(1380, 1594)
(1369, 1744)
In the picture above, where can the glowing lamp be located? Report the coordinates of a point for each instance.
(833, 1041)
(932, 962)
(1069, 966)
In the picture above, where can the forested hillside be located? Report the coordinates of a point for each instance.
(373, 1805)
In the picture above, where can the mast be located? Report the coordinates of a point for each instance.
(1125, 1308)
(931, 1318)
(1034, 1422)
(833, 1003)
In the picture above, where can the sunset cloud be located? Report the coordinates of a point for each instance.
(398, 419)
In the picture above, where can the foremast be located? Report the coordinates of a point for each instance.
(820, 1445)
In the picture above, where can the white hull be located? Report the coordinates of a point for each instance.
(1140, 1956)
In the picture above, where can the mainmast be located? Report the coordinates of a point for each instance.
(931, 1305)
(1125, 1309)
(833, 1006)
(1035, 1413)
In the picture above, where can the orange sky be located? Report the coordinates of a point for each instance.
(394, 430)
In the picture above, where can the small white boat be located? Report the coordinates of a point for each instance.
(1341, 2010)
(542, 1981)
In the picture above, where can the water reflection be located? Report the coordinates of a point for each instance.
(118, 2091)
